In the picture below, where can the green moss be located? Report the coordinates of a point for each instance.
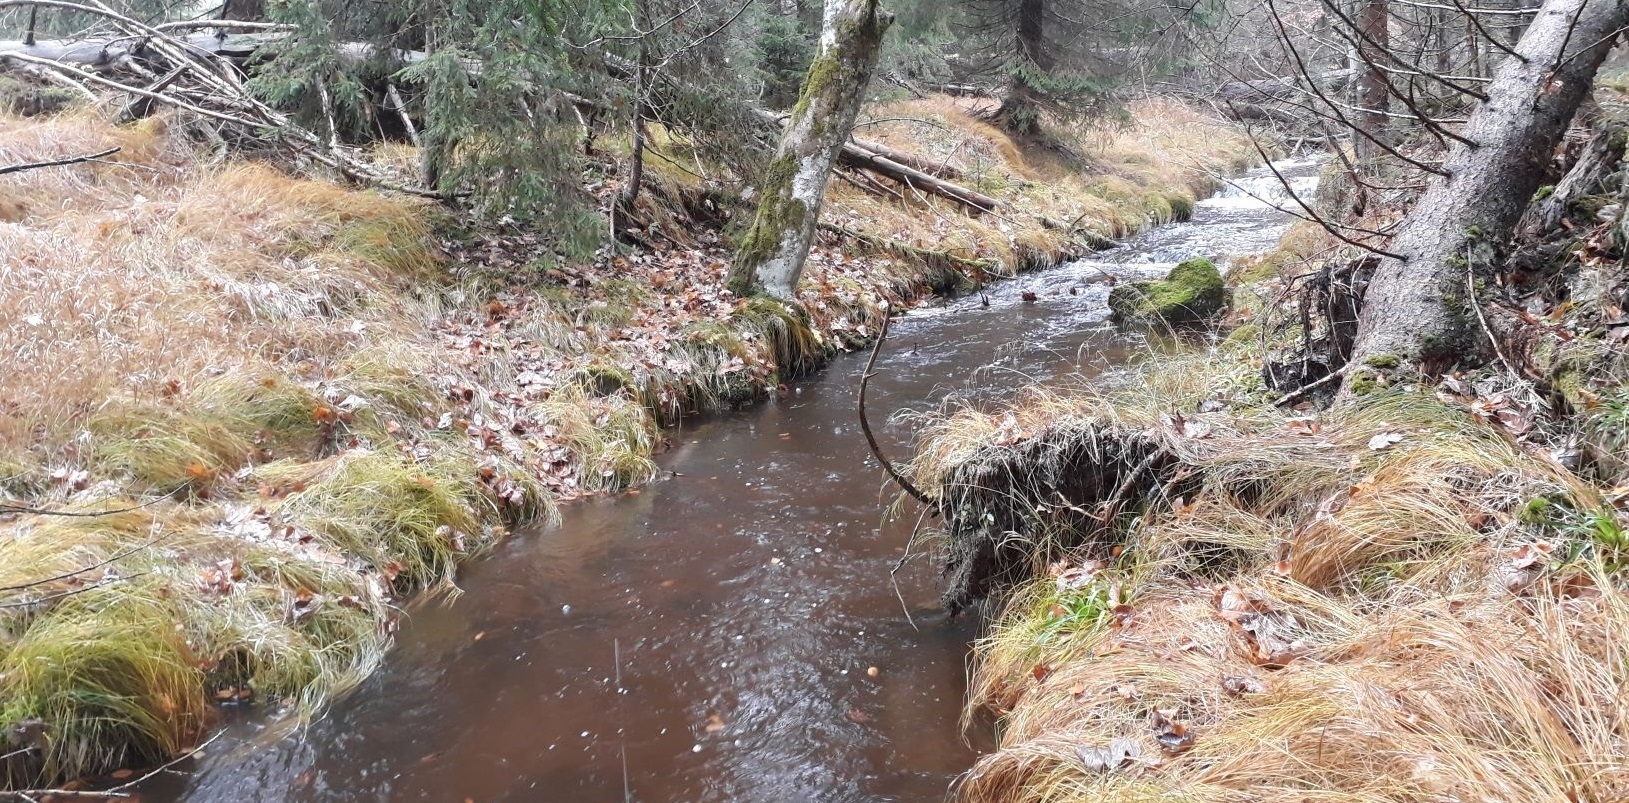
(1383, 361)
(1192, 292)
(1543, 192)
(821, 72)
(1362, 382)
(1181, 208)
(778, 213)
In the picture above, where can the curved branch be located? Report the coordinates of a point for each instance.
(865, 425)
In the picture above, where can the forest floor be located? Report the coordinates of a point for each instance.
(274, 408)
(1206, 591)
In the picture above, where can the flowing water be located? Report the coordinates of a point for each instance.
(711, 637)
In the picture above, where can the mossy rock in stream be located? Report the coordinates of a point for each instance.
(1192, 292)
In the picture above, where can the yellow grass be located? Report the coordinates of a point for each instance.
(1329, 619)
(251, 344)
(1121, 178)
(262, 360)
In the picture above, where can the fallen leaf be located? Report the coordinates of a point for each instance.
(1107, 758)
(1173, 736)
(1304, 426)
(1385, 440)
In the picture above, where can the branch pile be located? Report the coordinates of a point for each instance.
(186, 66)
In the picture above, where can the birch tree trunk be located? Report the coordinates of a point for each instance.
(772, 255)
(1420, 313)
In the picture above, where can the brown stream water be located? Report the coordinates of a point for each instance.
(708, 637)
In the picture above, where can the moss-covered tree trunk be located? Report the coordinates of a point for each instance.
(772, 254)
(1419, 312)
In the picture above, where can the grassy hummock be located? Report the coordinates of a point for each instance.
(1203, 595)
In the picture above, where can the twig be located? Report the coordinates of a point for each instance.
(93, 567)
(72, 160)
(865, 424)
(116, 793)
(103, 583)
(395, 99)
(81, 514)
(1310, 386)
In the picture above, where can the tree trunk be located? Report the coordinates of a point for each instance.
(1373, 94)
(1418, 313)
(1019, 112)
(772, 254)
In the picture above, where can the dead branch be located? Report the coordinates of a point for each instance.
(865, 423)
(71, 160)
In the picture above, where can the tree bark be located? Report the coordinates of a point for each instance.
(1373, 94)
(1420, 312)
(772, 254)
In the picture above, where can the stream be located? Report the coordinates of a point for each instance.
(710, 637)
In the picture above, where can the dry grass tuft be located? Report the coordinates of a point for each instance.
(1394, 603)
(258, 346)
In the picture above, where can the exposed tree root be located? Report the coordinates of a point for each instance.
(1012, 509)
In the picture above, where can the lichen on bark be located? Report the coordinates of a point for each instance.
(772, 253)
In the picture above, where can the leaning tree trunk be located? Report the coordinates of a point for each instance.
(772, 255)
(1420, 311)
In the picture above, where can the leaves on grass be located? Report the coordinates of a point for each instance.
(1268, 632)
(1107, 758)
(1173, 736)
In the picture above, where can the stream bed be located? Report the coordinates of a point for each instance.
(711, 637)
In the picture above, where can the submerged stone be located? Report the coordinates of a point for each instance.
(1190, 293)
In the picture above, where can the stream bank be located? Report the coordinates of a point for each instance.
(318, 404)
(718, 627)
(1209, 589)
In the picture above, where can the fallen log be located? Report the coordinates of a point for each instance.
(856, 156)
(853, 155)
(911, 160)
